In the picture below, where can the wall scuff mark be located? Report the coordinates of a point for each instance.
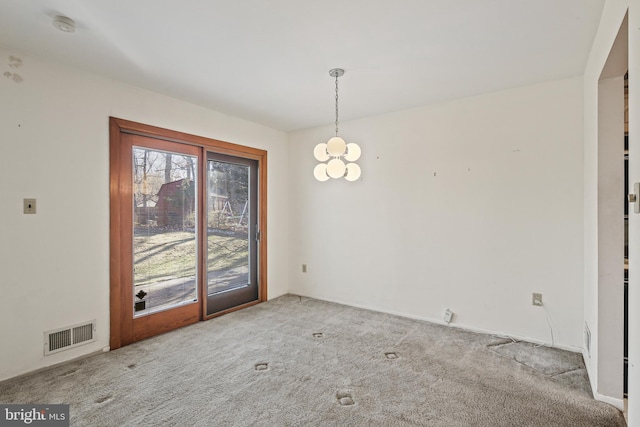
(14, 62)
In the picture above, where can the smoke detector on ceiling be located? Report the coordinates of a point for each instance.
(64, 24)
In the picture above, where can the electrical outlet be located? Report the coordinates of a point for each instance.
(304, 268)
(29, 206)
(448, 315)
(536, 299)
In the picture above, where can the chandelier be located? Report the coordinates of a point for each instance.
(338, 155)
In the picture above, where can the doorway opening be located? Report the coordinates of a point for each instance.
(612, 219)
(626, 236)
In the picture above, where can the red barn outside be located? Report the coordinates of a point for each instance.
(176, 204)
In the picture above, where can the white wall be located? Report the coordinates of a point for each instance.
(55, 143)
(471, 205)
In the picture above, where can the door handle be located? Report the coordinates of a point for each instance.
(635, 197)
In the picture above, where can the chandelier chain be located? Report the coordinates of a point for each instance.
(336, 105)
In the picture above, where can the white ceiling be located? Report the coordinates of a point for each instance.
(268, 60)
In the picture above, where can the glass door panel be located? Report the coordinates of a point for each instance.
(165, 238)
(231, 232)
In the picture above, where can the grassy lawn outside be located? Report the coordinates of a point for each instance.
(160, 256)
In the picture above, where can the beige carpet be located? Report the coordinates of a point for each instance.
(301, 362)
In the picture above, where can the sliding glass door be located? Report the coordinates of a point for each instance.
(185, 220)
(232, 232)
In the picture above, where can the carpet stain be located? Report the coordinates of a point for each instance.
(345, 398)
(133, 365)
(103, 398)
(261, 366)
(67, 373)
(567, 371)
(501, 342)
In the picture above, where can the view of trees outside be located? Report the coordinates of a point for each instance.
(165, 247)
(227, 226)
(164, 222)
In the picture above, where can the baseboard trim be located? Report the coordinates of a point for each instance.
(57, 364)
(618, 403)
(442, 322)
(587, 358)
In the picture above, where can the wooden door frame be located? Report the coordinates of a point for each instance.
(121, 318)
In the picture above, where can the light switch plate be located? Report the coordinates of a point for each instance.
(29, 206)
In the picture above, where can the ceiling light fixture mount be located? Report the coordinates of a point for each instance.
(65, 24)
(336, 151)
(336, 72)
